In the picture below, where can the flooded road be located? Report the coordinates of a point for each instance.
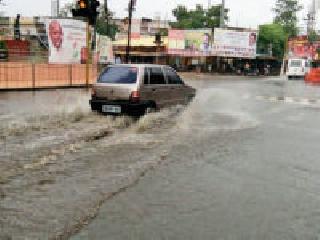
(240, 162)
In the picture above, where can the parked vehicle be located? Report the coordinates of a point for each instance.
(298, 68)
(138, 89)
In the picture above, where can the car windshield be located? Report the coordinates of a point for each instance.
(295, 63)
(119, 75)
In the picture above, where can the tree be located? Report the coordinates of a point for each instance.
(104, 25)
(197, 18)
(286, 15)
(313, 36)
(271, 35)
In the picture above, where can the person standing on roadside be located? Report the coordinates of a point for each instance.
(246, 68)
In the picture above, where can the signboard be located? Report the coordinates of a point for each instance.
(301, 47)
(104, 50)
(231, 43)
(190, 42)
(135, 28)
(67, 40)
(18, 48)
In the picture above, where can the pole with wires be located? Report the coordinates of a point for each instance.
(106, 12)
(222, 14)
(130, 9)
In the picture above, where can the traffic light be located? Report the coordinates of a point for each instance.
(82, 9)
(88, 9)
(83, 4)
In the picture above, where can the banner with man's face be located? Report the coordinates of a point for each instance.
(67, 40)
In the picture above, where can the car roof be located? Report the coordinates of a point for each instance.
(138, 65)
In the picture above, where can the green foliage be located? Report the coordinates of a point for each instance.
(286, 15)
(104, 25)
(313, 36)
(272, 34)
(107, 29)
(3, 45)
(164, 31)
(198, 17)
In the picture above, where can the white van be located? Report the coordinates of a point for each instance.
(298, 67)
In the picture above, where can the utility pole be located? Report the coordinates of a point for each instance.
(222, 16)
(222, 25)
(130, 9)
(311, 18)
(58, 7)
(106, 12)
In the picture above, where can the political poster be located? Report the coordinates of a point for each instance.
(67, 41)
(232, 43)
(104, 50)
(301, 47)
(190, 43)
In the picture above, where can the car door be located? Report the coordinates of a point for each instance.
(157, 89)
(178, 90)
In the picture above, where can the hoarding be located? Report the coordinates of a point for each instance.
(301, 47)
(104, 50)
(190, 43)
(231, 43)
(67, 40)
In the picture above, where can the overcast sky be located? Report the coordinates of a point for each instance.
(243, 13)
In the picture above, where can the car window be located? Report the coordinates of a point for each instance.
(307, 64)
(156, 76)
(119, 75)
(146, 76)
(295, 63)
(173, 77)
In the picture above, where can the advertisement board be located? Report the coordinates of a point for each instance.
(301, 47)
(104, 50)
(67, 40)
(231, 43)
(190, 43)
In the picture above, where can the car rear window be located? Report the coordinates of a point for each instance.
(296, 63)
(119, 75)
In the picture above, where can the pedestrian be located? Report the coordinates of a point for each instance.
(246, 68)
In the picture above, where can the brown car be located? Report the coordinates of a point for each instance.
(138, 89)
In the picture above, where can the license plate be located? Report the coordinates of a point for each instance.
(111, 109)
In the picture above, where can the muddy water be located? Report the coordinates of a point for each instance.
(60, 162)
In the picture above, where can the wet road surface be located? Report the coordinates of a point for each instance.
(240, 162)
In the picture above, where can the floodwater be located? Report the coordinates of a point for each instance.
(60, 163)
